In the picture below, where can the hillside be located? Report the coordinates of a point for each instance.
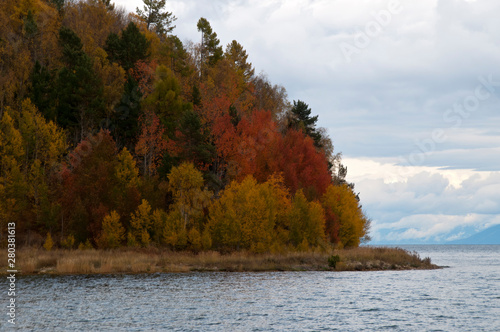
(490, 235)
(114, 133)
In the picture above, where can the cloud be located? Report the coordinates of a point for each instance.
(424, 204)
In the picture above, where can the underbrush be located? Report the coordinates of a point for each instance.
(152, 260)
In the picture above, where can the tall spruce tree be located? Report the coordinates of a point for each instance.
(79, 89)
(42, 91)
(128, 48)
(301, 119)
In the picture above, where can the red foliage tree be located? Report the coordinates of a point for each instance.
(86, 184)
(256, 147)
(144, 74)
(302, 165)
(151, 143)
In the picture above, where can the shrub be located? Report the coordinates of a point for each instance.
(333, 260)
(48, 242)
(68, 242)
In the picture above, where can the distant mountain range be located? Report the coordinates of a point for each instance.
(490, 235)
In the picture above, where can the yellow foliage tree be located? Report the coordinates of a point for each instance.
(307, 222)
(14, 194)
(194, 239)
(186, 185)
(141, 223)
(68, 242)
(126, 171)
(112, 77)
(112, 233)
(44, 145)
(344, 216)
(48, 242)
(11, 140)
(43, 139)
(246, 215)
(174, 233)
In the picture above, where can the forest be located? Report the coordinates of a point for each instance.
(115, 133)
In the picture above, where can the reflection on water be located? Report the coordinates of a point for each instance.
(464, 297)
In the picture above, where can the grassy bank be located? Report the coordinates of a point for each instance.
(35, 261)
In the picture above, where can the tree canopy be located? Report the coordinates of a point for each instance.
(115, 133)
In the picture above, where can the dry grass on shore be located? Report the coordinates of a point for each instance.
(34, 261)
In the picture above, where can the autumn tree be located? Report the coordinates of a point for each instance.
(307, 222)
(302, 165)
(112, 233)
(30, 147)
(270, 97)
(238, 57)
(126, 194)
(346, 224)
(126, 170)
(151, 143)
(144, 74)
(255, 148)
(13, 185)
(141, 223)
(113, 79)
(43, 140)
(186, 185)
(87, 182)
(174, 233)
(44, 145)
(246, 215)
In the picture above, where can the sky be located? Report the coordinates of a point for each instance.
(409, 92)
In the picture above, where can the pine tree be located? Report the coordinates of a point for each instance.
(156, 19)
(79, 89)
(128, 48)
(301, 119)
(211, 51)
(42, 92)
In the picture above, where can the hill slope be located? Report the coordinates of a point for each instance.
(488, 236)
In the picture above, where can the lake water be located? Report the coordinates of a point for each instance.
(463, 297)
